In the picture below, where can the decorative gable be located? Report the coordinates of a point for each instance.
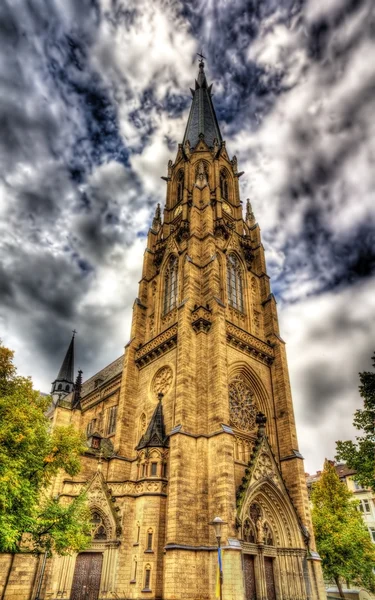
(100, 499)
(262, 467)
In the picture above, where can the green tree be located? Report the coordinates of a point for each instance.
(30, 456)
(360, 455)
(342, 539)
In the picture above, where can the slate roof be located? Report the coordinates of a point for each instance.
(106, 374)
(154, 437)
(66, 372)
(202, 117)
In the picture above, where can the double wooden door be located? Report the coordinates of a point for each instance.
(249, 573)
(87, 573)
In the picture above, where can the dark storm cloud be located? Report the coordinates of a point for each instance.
(92, 103)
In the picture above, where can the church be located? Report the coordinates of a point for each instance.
(195, 421)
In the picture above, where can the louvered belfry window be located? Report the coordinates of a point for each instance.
(224, 185)
(234, 283)
(170, 285)
(180, 185)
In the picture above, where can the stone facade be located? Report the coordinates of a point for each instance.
(205, 343)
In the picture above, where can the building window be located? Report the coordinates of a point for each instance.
(144, 470)
(134, 570)
(248, 532)
(224, 185)
(234, 283)
(112, 420)
(242, 408)
(154, 469)
(372, 533)
(165, 470)
(59, 387)
(357, 486)
(364, 506)
(180, 185)
(149, 540)
(67, 388)
(170, 285)
(98, 528)
(147, 578)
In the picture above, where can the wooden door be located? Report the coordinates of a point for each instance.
(270, 580)
(250, 591)
(86, 580)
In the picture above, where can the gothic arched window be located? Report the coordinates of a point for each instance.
(268, 537)
(248, 533)
(224, 186)
(170, 285)
(98, 528)
(234, 283)
(180, 185)
(242, 409)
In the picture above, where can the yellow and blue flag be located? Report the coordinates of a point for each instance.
(219, 570)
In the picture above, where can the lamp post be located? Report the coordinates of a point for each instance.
(217, 524)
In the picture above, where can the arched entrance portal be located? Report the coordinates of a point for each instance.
(87, 575)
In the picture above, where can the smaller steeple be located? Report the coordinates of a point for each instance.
(156, 222)
(77, 391)
(64, 384)
(250, 218)
(155, 437)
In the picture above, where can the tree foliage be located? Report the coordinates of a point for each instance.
(360, 455)
(342, 539)
(30, 457)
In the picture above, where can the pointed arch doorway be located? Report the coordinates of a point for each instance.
(87, 576)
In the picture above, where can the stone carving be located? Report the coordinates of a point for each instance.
(201, 176)
(201, 319)
(183, 231)
(162, 381)
(264, 469)
(159, 253)
(156, 347)
(247, 251)
(243, 410)
(248, 343)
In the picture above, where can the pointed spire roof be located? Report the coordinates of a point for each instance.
(66, 372)
(157, 218)
(77, 391)
(155, 437)
(202, 118)
(250, 218)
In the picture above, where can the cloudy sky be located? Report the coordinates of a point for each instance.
(94, 98)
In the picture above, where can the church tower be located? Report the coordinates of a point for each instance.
(196, 421)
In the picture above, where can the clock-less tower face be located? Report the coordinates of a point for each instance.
(177, 210)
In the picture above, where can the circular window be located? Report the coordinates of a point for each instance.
(243, 410)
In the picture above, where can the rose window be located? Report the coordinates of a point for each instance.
(162, 380)
(243, 410)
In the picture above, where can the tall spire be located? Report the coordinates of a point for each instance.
(202, 118)
(64, 382)
(66, 372)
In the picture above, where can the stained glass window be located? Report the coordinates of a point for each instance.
(170, 285)
(234, 283)
(243, 410)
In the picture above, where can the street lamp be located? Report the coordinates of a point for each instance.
(217, 524)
